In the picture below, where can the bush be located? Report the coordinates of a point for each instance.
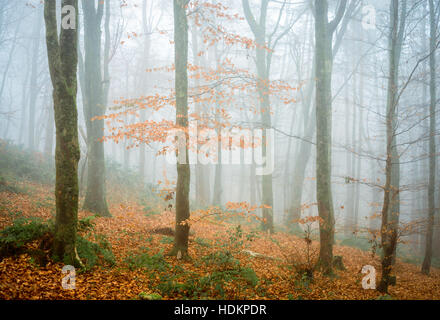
(24, 230)
(13, 241)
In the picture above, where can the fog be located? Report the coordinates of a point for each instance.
(256, 70)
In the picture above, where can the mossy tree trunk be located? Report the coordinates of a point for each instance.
(183, 170)
(94, 106)
(63, 60)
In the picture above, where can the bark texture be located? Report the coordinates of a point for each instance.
(63, 59)
(183, 170)
(324, 63)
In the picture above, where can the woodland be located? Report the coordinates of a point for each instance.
(206, 149)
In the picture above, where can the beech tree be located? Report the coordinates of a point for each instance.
(94, 105)
(63, 61)
(324, 61)
(181, 85)
(426, 266)
(391, 202)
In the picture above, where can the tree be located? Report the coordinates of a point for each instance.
(309, 122)
(63, 60)
(426, 266)
(263, 62)
(94, 105)
(181, 84)
(34, 90)
(391, 208)
(324, 62)
(201, 171)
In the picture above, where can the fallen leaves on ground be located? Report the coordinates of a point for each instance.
(127, 230)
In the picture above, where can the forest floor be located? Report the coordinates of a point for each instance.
(131, 232)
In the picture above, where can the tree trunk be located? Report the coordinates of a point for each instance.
(94, 106)
(426, 266)
(181, 84)
(349, 157)
(62, 57)
(33, 84)
(390, 210)
(48, 143)
(218, 191)
(201, 170)
(324, 63)
(263, 69)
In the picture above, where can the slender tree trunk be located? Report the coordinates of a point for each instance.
(349, 157)
(24, 101)
(390, 209)
(426, 266)
(33, 84)
(218, 185)
(94, 106)
(62, 57)
(201, 170)
(324, 63)
(263, 69)
(183, 170)
(302, 160)
(359, 147)
(143, 85)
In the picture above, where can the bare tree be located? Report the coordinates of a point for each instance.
(391, 206)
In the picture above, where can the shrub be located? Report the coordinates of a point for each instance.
(24, 230)
(13, 241)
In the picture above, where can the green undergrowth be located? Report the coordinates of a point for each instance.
(93, 248)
